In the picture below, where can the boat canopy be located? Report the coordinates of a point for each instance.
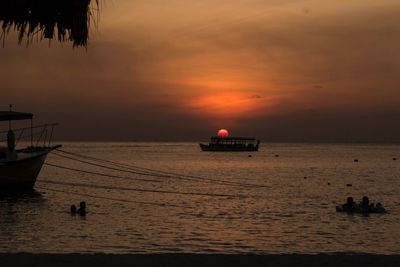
(15, 116)
(233, 138)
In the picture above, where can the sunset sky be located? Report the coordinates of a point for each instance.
(174, 70)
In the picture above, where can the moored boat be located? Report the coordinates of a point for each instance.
(19, 168)
(222, 142)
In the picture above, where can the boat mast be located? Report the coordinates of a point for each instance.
(9, 122)
(10, 134)
(32, 132)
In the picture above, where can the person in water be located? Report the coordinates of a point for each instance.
(364, 205)
(82, 208)
(379, 208)
(350, 205)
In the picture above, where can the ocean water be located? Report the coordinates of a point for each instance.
(287, 205)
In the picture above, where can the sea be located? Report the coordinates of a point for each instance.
(174, 198)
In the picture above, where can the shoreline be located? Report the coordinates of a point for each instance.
(194, 260)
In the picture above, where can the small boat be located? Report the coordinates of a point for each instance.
(363, 207)
(19, 168)
(360, 209)
(222, 142)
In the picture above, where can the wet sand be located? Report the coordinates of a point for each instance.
(194, 260)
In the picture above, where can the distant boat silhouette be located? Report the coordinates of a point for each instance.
(221, 144)
(63, 20)
(19, 168)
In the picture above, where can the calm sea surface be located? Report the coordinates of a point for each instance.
(292, 212)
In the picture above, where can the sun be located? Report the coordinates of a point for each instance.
(223, 133)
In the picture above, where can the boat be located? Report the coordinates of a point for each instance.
(360, 209)
(222, 142)
(20, 167)
(363, 207)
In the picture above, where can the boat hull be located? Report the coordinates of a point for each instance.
(228, 148)
(22, 174)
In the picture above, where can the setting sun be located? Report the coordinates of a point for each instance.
(223, 133)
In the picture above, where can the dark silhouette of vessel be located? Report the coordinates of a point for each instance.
(231, 144)
(19, 168)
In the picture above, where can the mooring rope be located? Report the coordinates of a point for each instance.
(156, 173)
(151, 174)
(110, 168)
(136, 189)
(121, 164)
(114, 199)
(102, 174)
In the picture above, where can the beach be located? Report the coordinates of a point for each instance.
(194, 260)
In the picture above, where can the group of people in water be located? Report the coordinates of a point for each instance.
(81, 211)
(363, 207)
(350, 206)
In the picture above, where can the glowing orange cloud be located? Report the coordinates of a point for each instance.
(227, 105)
(223, 81)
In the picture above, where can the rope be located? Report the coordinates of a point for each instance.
(102, 174)
(110, 168)
(159, 173)
(135, 189)
(114, 199)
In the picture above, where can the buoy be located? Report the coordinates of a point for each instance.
(305, 177)
(329, 183)
(276, 155)
(250, 156)
(394, 159)
(349, 185)
(356, 160)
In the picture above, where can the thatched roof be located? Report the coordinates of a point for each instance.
(64, 20)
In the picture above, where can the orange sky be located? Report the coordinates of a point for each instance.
(286, 70)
